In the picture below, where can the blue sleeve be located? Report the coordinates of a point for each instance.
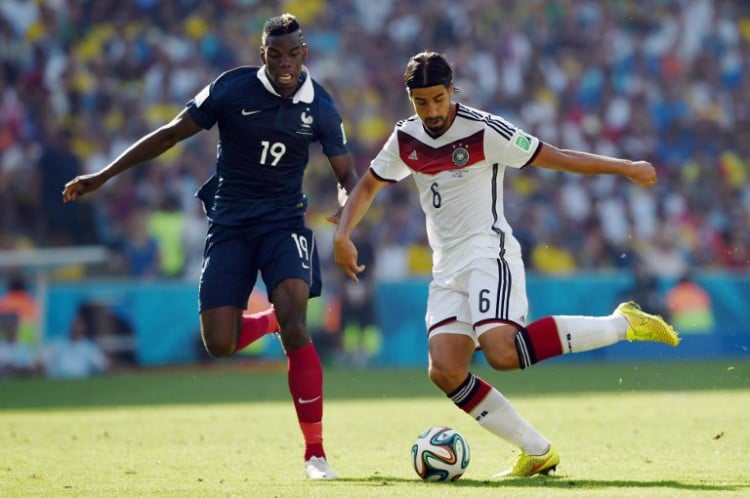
(332, 135)
(203, 107)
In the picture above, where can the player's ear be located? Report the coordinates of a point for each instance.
(304, 51)
(262, 54)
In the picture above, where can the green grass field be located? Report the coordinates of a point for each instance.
(667, 430)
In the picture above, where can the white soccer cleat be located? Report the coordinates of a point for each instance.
(317, 468)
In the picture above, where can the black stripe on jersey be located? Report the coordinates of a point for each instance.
(502, 305)
(495, 171)
(499, 125)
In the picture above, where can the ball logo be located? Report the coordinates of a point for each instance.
(460, 156)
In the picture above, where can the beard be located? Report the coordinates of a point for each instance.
(435, 125)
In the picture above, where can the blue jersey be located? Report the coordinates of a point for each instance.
(264, 142)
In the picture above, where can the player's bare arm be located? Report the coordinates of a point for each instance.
(346, 175)
(573, 161)
(359, 202)
(147, 147)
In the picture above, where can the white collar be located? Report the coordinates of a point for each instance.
(305, 93)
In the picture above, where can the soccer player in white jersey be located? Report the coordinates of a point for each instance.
(477, 297)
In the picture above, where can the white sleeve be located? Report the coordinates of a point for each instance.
(508, 145)
(388, 164)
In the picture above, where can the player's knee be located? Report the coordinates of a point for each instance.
(220, 329)
(446, 378)
(218, 346)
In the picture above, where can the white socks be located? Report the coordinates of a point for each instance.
(584, 333)
(497, 415)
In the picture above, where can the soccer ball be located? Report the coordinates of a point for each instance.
(440, 454)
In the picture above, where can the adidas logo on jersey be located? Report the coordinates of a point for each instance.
(413, 155)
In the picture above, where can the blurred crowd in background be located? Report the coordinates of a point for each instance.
(662, 80)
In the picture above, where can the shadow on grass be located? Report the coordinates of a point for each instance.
(553, 483)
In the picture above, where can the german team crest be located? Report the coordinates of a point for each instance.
(460, 156)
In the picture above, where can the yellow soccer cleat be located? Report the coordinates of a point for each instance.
(643, 326)
(527, 465)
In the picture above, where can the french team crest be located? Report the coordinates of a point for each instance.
(460, 156)
(306, 121)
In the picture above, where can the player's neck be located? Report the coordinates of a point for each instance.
(287, 93)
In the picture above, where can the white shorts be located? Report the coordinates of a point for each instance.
(480, 297)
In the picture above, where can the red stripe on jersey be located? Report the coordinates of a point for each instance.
(456, 155)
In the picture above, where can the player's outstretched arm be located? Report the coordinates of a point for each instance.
(346, 176)
(359, 202)
(147, 147)
(573, 161)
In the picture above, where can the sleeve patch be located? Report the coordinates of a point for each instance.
(343, 134)
(201, 96)
(523, 142)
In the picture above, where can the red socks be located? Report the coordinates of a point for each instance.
(305, 374)
(256, 325)
(544, 338)
(538, 341)
(470, 393)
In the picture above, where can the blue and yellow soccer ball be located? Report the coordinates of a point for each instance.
(440, 454)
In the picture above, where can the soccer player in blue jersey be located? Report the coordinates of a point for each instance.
(457, 156)
(267, 117)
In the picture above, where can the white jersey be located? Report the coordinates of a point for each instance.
(460, 180)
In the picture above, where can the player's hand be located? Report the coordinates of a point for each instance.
(642, 173)
(80, 185)
(345, 255)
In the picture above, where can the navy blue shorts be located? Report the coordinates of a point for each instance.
(234, 255)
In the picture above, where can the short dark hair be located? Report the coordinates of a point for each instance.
(427, 69)
(281, 25)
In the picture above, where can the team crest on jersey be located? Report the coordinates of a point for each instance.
(306, 122)
(460, 156)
